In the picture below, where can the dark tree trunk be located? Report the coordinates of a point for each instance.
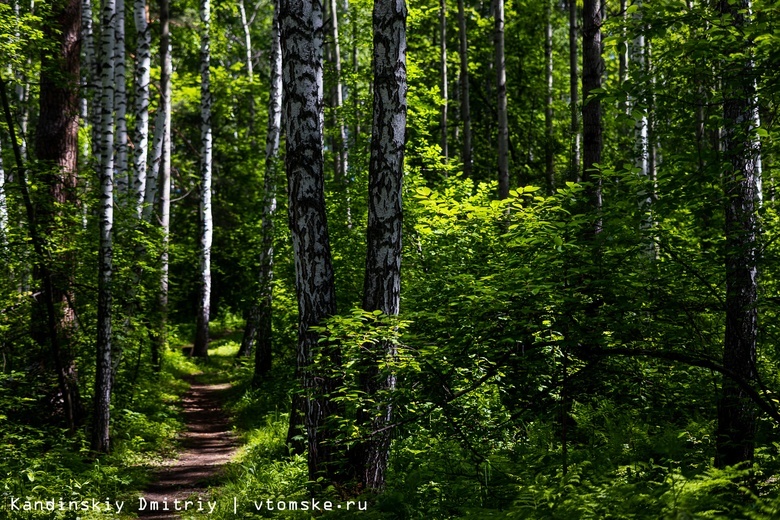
(574, 80)
(56, 146)
(503, 122)
(592, 68)
(382, 287)
(301, 30)
(736, 413)
(549, 148)
(465, 107)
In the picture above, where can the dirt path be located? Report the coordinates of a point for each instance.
(207, 445)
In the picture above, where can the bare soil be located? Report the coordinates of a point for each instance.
(208, 444)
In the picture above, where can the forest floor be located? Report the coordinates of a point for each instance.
(207, 445)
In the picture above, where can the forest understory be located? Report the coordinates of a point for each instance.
(391, 259)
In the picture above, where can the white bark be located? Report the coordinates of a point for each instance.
(165, 161)
(87, 71)
(142, 68)
(343, 154)
(202, 332)
(443, 59)
(247, 40)
(120, 100)
(3, 205)
(100, 438)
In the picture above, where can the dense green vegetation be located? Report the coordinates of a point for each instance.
(543, 370)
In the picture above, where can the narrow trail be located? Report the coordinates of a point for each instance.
(207, 445)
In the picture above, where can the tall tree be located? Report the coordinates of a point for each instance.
(206, 231)
(56, 146)
(164, 188)
(300, 23)
(120, 100)
(736, 412)
(443, 61)
(503, 120)
(258, 329)
(592, 67)
(382, 287)
(103, 370)
(549, 148)
(342, 152)
(574, 80)
(465, 103)
(143, 65)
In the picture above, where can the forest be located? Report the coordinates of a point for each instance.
(393, 260)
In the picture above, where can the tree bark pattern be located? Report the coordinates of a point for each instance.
(382, 286)
(302, 43)
(103, 370)
(592, 69)
(206, 231)
(143, 67)
(56, 147)
(259, 324)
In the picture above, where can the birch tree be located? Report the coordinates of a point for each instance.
(382, 287)
(549, 148)
(3, 203)
(503, 121)
(301, 40)
(143, 65)
(206, 231)
(120, 100)
(164, 185)
(465, 103)
(342, 153)
(443, 61)
(258, 329)
(103, 376)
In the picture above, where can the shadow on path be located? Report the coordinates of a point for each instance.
(207, 445)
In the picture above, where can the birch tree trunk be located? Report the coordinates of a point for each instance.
(201, 346)
(164, 177)
(342, 144)
(465, 104)
(247, 41)
(87, 72)
(382, 287)
(302, 41)
(103, 376)
(574, 81)
(143, 65)
(120, 101)
(503, 122)
(736, 413)
(259, 324)
(548, 112)
(592, 67)
(3, 204)
(443, 60)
